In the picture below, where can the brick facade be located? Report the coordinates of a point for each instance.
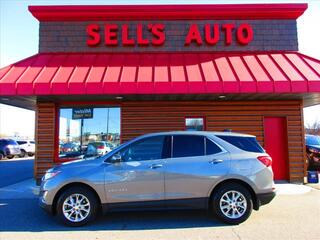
(269, 35)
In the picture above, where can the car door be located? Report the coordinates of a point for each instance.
(196, 164)
(138, 177)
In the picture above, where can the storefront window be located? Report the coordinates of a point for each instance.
(194, 123)
(88, 132)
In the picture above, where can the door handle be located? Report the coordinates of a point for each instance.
(216, 161)
(154, 166)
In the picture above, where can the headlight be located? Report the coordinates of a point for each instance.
(50, 174)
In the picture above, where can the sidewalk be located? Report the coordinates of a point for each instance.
(292, 189)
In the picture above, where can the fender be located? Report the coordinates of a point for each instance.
(232, 177)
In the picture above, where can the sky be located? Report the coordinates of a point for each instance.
(19, 39)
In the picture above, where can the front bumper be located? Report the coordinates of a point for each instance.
(265, 198)
(46, 207)
(43, 202)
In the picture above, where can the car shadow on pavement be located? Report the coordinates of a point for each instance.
(17, 215)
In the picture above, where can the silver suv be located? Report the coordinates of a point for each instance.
(227, 173)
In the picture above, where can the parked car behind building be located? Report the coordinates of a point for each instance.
(98, 148)
(313, 152)
(27, 147)
(9, 148)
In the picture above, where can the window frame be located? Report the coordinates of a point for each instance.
(195, 116)
(74, 104)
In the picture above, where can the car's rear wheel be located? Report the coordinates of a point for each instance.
(22, 154)
(10, 156)
(232, 203)
(77, 206)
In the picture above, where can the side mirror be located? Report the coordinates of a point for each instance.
(116, 158)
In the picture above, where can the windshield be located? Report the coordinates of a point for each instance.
(10, 142)
(313, 140)
(96, 144)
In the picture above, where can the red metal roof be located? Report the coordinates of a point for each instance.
(167, 12)
(160, 73)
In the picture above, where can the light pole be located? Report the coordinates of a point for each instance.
(108, 123)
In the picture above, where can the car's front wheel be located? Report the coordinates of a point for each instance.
(77, 206)
(232, 203)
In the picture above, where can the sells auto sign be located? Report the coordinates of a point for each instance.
(155, 35)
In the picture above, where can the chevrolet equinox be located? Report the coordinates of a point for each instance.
(227, 173)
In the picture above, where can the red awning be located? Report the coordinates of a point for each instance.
(160, 73)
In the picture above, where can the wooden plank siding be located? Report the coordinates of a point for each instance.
(140, 117)
(246, 117)
(45, 138)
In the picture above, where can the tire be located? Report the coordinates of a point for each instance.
(22, 154)
(1, 156)
(30, 154)
(10, 156)
(88, 198)
(232, 212)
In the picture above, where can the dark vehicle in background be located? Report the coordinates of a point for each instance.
(313, 152)
(9, 148)
(69, 147)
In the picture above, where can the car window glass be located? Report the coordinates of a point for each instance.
(211, 147)
(32, 142)
(188, 146)
(10, 142)
(146, 149)
(97, 144)
(21, 142)
(313, 140)
(249, 144)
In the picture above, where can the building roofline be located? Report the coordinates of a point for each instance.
(167, 12)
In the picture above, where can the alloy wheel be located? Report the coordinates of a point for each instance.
(233, 204)
(76, 207)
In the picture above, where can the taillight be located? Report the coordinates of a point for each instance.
(100, 147)
(265, 160)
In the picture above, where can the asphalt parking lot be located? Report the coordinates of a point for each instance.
(294, 214)
(15, 170)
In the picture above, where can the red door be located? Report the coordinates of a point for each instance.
(276, 145)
